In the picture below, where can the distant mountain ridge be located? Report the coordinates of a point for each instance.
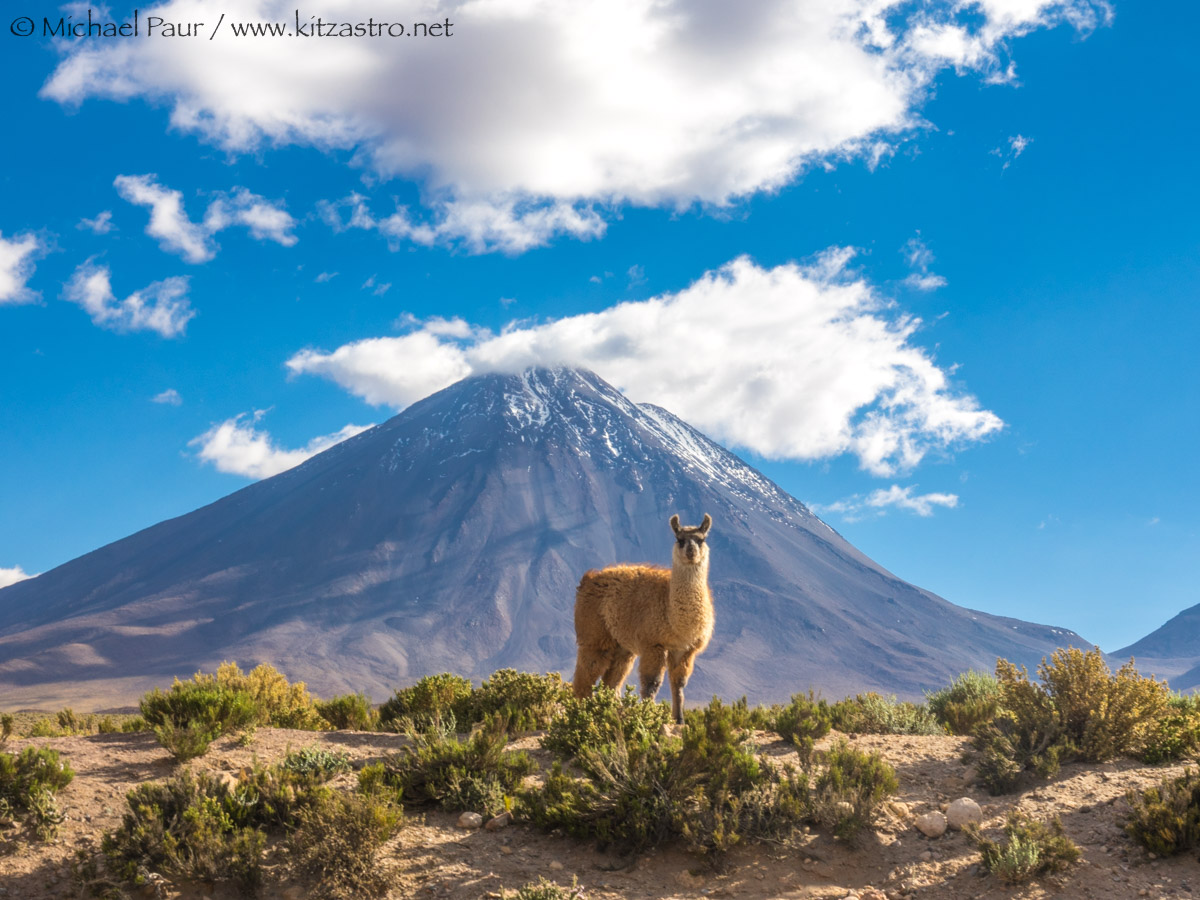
(451, 537)
(1171, 651)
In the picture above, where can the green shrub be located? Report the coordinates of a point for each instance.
(336, 841)
(476, 774)
(7, 724)
(1030, 848)
(194, 713)
(706, 788)
(596, 720)
(849, 787)
(1009, 747)
(135, 724)
(351, 712)
(29, 782)
(546, 890)
(1166, 819)
(1176, 735)
(191, 826)
(804, 721)
(872, 713)
(971, 700)
(429, 704)
(524, 700)
(315, 765)
(44, 727)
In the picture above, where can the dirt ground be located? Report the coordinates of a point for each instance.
(434, 859)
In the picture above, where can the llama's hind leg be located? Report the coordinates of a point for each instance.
(590, 664)
(618, 670)
(679, 665)
(650, 671)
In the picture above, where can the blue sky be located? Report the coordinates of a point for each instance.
(931, 267)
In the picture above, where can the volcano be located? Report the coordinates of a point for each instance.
(451, 538)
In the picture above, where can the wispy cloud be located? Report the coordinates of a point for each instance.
(169, 397)
(920, 258)
(1016, 146)
(102, 224)
(879, 502)
(796, 362)
(162, 307)
(237, 446)
(177, 233)
(18, 255)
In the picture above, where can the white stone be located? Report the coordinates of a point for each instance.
(963, 811)
(470, 820)
(932, 824)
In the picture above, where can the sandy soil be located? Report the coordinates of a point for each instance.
(434, 859)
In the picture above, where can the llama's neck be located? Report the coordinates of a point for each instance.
(689, 604)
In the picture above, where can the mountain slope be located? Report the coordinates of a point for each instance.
(452, 536)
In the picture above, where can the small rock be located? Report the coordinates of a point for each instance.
(506, 850)
(688, 880)
(932, 824)
(556, 866)
(470, 820)
(963, 811)
(498, 822)
(926, 856)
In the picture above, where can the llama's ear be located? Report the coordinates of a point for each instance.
(675, 524)
(706, 524)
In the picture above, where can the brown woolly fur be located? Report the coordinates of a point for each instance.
(664, 616)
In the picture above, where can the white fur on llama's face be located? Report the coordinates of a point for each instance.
(691, 547)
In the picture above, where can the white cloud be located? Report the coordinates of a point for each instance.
(238, 447)
(169, 221)
(177, 233)
(17, 255)
(170, 397)
(325, 276)
(796, 362)
(161, 307)
(13, 575)
(1016, 146)
(920, 258)
(536, 113)
(878, 502)
(266, 221)
(102, 224)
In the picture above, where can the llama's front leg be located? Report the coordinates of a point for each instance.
(679, 664)
(650, 671)
(618, 670)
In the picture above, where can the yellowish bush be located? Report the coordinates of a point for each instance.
(281, 704)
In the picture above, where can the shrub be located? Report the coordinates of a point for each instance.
(706, 788)
(1105, 715)
(848, 789)
(278, 703)
(476, 774)
(546, 890)
(1176, 735)
(596, 720)
(1030, 848)
(29, 782)
(336, 841)
(7, 723)
(524, 700)
(432, 701)
(971, 700)
(872, 713)
(135, 724)
(191, 826)
(803, 722)
(194, 713)
(1166, 819)
(1009, 747)
(315, 765)
(348, 712)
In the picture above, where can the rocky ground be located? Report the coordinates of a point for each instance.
(432, 858)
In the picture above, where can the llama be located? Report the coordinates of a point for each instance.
(663, 616)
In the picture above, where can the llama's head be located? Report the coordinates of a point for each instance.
(691, 548)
